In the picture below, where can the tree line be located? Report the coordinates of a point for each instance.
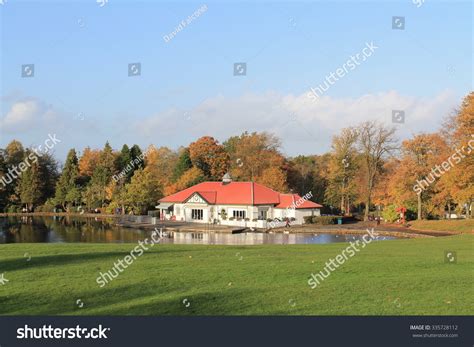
(367, 170)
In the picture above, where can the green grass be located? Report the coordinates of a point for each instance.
(458, 225)
(398, 277)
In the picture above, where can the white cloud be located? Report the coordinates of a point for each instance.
(305, 125)
(27, 114)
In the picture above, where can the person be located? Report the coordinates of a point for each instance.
(287, 223)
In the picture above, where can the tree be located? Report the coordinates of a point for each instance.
(376, 142)
(122, 160)
(184, 163)
(462, 186)
(135, 153)
(190, 178)
(210, 157)
(273, 178)
(37, 182)
(88, 162)
(251, 154)
(101, 176)
(142, 191)
(420, 155)
(30, 186)
(343, 165)
(67, 190)
(308, 174)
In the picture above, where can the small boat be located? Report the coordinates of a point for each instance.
(238, 231)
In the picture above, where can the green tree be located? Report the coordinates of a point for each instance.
(143, 191)
(30, 186)
(184, 163)
(67, 190)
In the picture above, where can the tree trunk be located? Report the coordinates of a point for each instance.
(367, 206)
(419, 216)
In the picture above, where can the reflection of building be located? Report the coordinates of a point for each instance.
(235, 203)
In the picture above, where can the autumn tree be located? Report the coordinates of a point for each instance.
(462, 179)
(253, 157)
(89, 160)
(188, 178)
(342, 169)
(210, 157)
(376, 142)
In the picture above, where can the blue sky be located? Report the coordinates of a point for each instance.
(81, 51)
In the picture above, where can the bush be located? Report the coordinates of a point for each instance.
(389, 214)
(308, 219)
(247, 219)
(13, 209)
(324, 220)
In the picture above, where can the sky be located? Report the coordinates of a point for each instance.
(81, 50)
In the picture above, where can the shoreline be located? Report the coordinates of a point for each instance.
(383, 230)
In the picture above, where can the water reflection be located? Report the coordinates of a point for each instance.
(95, 230)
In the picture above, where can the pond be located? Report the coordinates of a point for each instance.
(99, 230)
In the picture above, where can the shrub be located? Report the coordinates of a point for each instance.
(231, 218)
(254, 220)
(13, 209)
(390, 214)
(247, 219)
(308, 219)
(324, 220)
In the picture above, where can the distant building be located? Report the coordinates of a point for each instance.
(247, 204)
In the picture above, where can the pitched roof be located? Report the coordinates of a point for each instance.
(238, 193)
(296, 201)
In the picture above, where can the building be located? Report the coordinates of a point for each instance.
(246, 204)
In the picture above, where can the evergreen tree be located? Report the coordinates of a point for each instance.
(30, 186)
(67, 191)
(183, 164)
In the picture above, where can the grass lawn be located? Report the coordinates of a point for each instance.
(398, 277)
(458, 225)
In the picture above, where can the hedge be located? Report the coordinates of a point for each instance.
(321, 220)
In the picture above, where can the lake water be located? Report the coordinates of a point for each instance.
(98, 230)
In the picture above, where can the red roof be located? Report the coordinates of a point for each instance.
(238, 193)
(296, 201)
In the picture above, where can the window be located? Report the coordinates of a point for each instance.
(196, 213)
(262, 214)
(239, 214)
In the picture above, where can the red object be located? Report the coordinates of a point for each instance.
(402, 211)
(287, 200)
(239, 193)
